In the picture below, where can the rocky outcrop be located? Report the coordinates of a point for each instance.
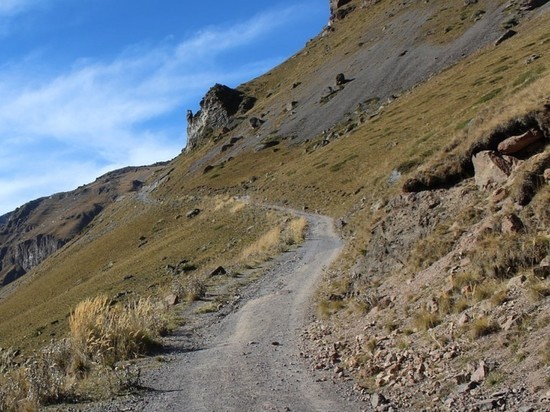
(218, 109)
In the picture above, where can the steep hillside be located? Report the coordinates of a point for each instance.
(424, 129)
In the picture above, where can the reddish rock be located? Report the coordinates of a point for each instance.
(515, 144)
(492, 169)
(512, 224)
(480, 373)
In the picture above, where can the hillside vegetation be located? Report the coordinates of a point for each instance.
(441, 297)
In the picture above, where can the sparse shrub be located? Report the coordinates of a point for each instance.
(484, 290)
(424, 320)
(108, 333)
(461, 305)
(296, 231)
(494, 378)
(191, 288)
(538, 289)
(503, 255)
(266, 245)
(482, 327)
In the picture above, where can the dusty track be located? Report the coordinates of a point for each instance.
(250, 361)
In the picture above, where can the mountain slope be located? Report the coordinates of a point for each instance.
(425, 89)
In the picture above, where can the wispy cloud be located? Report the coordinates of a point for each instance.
(100, 110)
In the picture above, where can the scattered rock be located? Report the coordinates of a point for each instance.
(515, 144)
(171, 299)
(532, 58)
(192, 213)
(508, 34)
(207, 169)
(291, 106)
(340, 79)
(480, 373)
(255, 122)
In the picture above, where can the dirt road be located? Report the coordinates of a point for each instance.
(250, 361)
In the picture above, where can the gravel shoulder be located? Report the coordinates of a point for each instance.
(249, 360)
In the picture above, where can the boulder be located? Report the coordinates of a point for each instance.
(546, 175)
(192, 213)
(508, 34)
(255, 123)
(492, 169)
(171, 299)
(515, 144)
(480, 373)
(340, 79)
(512, 224)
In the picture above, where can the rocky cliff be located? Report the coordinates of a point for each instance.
(34, 231)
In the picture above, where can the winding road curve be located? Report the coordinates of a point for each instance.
(250, 360)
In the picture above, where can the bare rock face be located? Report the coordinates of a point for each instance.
(492, 169)
(218, 108)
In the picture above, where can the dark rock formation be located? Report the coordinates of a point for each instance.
(218, 108)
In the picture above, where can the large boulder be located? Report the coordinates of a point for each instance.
(515, 144)
(492, 169)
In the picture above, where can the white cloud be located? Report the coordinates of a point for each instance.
(13, 7)
(102, 109)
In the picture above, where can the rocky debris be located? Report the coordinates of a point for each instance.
(515, 144)
(217, 111)
(192, 213)
(492, 169)
(507, 35)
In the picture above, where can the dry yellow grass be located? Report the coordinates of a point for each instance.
(108, 333)
(296, 231)
(265, 246)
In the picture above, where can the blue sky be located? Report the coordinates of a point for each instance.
(88, 86)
